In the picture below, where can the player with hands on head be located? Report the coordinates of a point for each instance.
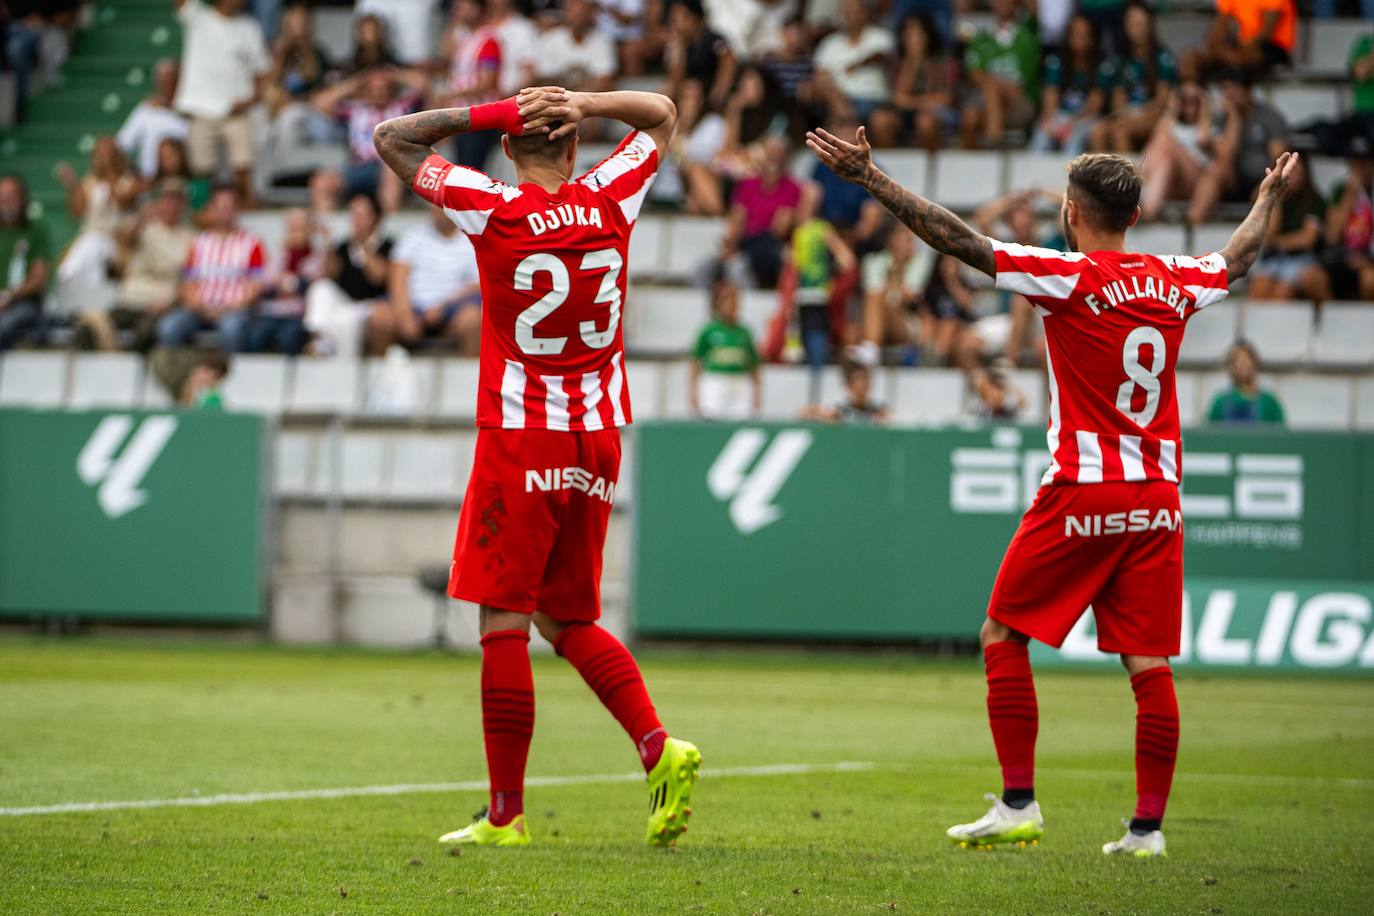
(1105, 528)
(552, 396)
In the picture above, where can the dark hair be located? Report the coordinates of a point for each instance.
(1094, 61)
(1151, 61)
(693, 6)
(370, 201)
(851, 368)
(1107, 187)
(213, 360)
(539, 146)
(927, 24)
(224, 188)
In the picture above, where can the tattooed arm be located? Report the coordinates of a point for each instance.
(932, 223)
(1248, 240)
(404, 143)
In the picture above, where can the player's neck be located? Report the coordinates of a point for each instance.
(1101, 241)
(547, 177)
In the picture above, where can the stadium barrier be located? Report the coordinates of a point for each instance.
(133, 515)
(807, 532)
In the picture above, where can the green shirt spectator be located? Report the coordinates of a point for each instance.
(1244, 402)
(1012, 53)
(25, 259)
(725, 347)
(1362, 60)
(1235, 406)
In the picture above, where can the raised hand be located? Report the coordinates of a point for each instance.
(851, 161)
(1276, 177)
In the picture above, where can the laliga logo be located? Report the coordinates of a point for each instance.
(119, 477)
(751, 507)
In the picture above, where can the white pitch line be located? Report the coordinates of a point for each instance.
(252, 798)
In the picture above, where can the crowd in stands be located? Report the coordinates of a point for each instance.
(162, 260)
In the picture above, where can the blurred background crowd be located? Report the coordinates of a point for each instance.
(241, 207)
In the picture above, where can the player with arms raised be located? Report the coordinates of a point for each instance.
(552, 396)
(1105, 529)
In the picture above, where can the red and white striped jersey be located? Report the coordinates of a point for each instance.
(552, 271)
(224, 265)
(1113, 325)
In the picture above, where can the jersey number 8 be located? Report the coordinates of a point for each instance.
(607, 259)
(1139, 375)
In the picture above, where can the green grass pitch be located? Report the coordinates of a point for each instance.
(1273, 809)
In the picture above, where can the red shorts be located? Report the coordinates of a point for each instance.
(534, 521)
(1115, 546)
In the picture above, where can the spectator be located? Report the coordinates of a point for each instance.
(1108, 18)
(434, 288)
(1252, 36)
(202, 388)
(223, 63)
(851, 69)
(371, 47)
(37, 40)
(222, 281)
(25, 256)
(1075, 91)
(821, 265)
(700, 138)
(893, 282)
(1009, 333)
(694, 52)
(353, 286)
(858, 406)
(152, 252)
(1350, 228)
(999, 399)
(362, 102)
(1244, 402)
(279, 325)
(519, 41)
(575, 54)
(1252, 136)
(100, 199)
(1141, 81)
(635, 27)
(751, 112)
(153, 120)
(173, 163)
(474, 51)
(1180, 151)
(724, 372)
(1003, 65)
(300, 65)
(793, 72)
(763, 212)
(950, 300)
(1290, 265)
(409, 24)
(1334, 137)
(923, 89)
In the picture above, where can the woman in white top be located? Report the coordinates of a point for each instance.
(101, 199)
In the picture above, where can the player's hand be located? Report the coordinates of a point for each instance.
(1276, 177)
(851, 161)
(541, 107)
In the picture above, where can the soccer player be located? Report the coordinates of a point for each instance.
(1105, 529)
(552, 396)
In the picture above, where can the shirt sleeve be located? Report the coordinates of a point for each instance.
(1202, 278)
(1043, 273)
(467, 196)
(626, 174)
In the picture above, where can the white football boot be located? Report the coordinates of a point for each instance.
(1142, 846)
(1002, 824)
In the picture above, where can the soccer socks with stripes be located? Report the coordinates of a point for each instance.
(1014, 717)
(1156, 745)
(609, 669)
(507, 719)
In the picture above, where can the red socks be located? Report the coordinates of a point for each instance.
(1012, 712)
(1156, 742)
(609, 669)
(507, 719)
